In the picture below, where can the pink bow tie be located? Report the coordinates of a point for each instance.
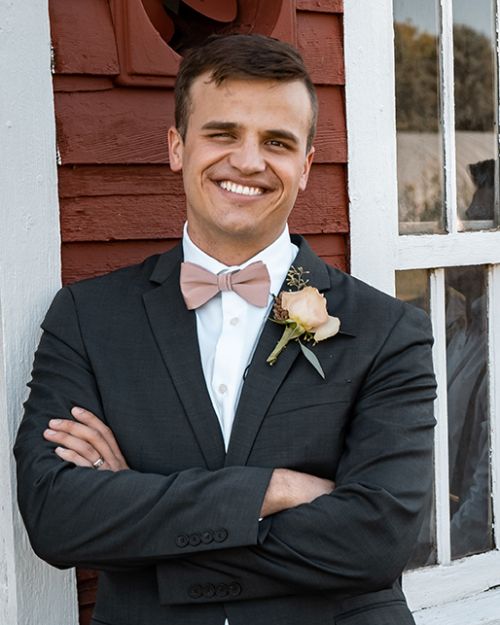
(198, 285)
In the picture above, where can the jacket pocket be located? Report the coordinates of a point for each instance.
(300, 397)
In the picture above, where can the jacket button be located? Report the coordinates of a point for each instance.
(208, 590)
(182, 540)
(195, 592)
(194, 540)
(207, 537)
(220, 535)
(222, 590)
(234, 589)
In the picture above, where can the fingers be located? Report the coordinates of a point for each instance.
(88, 418)
(82, 440)
(87, 442)
(72, 456)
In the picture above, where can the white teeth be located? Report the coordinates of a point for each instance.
(227, 185)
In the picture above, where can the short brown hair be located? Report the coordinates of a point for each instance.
(241, 56)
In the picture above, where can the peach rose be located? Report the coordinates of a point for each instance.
(307, 308)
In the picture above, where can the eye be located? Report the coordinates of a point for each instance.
(276, 143)
(220, 135)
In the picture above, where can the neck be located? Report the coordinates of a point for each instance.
(233, 252)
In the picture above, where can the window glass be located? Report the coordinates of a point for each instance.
(475, 113)
(468, 410)
(412, 286)
(419, 139)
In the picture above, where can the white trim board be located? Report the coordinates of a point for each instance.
(31, 592)
(447, 250)
(371, 130)
(483, 609)
(440, 585)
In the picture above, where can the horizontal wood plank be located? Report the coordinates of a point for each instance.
(72, 82)
(102, 180)
(323, 6)
(122, 218)
(87, 260)
(326, 244)
(320, 40)
(83, 37)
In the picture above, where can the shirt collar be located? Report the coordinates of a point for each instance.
(277, 257)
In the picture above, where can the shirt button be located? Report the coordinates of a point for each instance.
(234, 321)
(222, 389)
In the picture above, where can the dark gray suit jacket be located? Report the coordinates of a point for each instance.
(177, 537)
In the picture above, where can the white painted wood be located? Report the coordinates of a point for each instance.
(448, 114)
(371, 129)
(483, 609)
(439, 585)
(442, 480)
(494, 386)
(448, 250)
(31, 592)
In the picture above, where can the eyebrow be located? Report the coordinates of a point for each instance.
(277, 133)
(216, 125)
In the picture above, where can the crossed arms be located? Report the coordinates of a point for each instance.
(355, 539)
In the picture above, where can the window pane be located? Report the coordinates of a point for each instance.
(419, 141)
(475, 117)
(468, 410)
(413, 287)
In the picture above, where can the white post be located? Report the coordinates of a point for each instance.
(31, 592)
(371, 139)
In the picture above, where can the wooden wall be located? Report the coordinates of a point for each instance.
(119, 201)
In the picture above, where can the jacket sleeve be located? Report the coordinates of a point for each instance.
(359, 538)
(77, 516)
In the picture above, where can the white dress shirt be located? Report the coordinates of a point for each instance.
(228, 326)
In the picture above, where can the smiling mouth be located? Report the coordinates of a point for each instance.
(240, 189)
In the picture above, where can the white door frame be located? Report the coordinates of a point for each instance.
(30, 591)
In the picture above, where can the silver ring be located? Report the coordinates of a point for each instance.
(98, 463)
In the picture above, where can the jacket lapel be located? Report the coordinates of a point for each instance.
(174, 328)
(263, 381)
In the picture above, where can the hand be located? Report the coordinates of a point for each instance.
(85, 441)
(288, 489)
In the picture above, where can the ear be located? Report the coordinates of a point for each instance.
(175, 149)
(307, 168)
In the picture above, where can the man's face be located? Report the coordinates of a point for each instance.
(243, 160)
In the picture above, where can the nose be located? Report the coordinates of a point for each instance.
(247, 157)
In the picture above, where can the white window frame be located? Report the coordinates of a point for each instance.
(378, 251)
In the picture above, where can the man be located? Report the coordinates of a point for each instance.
(227, 489)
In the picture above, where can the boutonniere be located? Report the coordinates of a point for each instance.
(304, 315)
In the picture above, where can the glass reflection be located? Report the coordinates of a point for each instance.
(468, 410)
(419, 141)
(474, 46)
(412, 286)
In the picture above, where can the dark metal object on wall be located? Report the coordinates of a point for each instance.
(152, 34)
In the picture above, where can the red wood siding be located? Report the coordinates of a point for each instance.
(119, 200)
